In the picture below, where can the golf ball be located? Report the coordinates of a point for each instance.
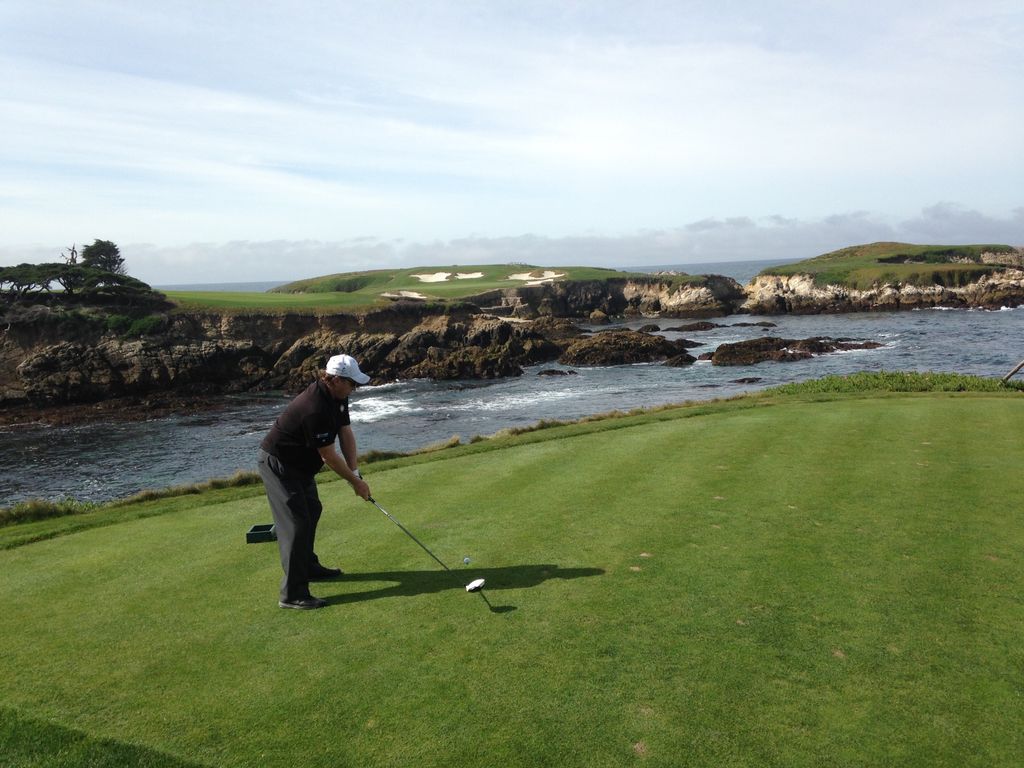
(465, 560)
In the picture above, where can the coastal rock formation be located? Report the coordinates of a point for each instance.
(678, 361)
(209, 353)
(443, 348)
(712, 296)
(654, 296)
(624, 347)
(72, 372)
(700, 325)
(798, 294)
(769, 348)
(51, 355)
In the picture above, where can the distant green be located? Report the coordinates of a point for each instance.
(866, 266)
(798, 578)
(356, 290)
(492, 276)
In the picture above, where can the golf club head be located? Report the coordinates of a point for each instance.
(475, 586)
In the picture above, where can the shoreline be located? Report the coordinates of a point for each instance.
(160, 404)
(140, 449)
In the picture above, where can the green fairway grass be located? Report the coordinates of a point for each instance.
(809, 579)
(272, 302)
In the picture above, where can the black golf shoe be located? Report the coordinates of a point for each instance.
(303, 603)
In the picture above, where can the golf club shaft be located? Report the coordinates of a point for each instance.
(407, 532)
(491, 607)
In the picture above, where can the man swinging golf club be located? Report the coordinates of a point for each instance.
(301, 441)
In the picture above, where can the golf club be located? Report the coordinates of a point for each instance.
(474, 586)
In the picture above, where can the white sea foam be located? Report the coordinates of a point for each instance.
(515, 402)
(853, 351)
(371, 409)
(368, 390)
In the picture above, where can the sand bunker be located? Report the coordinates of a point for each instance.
(404, 295)
(532, 278)
(440, 277)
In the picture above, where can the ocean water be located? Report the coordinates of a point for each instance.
(110, 460)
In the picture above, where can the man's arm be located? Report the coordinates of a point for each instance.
(335, 461)
(348, 447)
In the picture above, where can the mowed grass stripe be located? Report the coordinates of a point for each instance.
(834, 582)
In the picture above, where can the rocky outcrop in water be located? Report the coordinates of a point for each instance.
(769, 348)
(623, 347)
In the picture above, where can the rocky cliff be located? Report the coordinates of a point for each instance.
(654, 296)
(43, 362)
(799, 294)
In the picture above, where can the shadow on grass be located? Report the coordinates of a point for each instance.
(412, 583)
(28, 741)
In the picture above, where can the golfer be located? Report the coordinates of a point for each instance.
(301, 441)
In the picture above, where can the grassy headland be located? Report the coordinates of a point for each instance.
(867, 266)
(801, 577)
(452, 282)
(355, 290)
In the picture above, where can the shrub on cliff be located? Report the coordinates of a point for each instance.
(123, 325)
(118, 324)
(147, 326)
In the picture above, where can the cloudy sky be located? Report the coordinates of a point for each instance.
(269, 140)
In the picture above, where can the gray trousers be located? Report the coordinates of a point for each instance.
(295, 505)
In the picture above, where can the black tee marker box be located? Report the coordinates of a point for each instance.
(260, 533)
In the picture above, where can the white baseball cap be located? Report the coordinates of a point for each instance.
(346, 367)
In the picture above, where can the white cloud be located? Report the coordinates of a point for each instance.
(952, 223)
(177, 122)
